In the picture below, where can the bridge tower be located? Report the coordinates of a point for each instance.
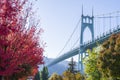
(86, 21)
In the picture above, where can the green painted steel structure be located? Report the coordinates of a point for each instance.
(86, 21)
(85, 46)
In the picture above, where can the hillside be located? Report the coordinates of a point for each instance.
(58, 68)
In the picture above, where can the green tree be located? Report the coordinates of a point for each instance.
(72, 65)
(109, 58)
(44, 73)
(37, 76)
(90, 63)
(71, 73)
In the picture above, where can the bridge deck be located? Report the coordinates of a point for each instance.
(85, 46)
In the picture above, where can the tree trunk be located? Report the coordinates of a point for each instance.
(1, 78)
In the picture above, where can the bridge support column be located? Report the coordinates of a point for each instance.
(86, 21)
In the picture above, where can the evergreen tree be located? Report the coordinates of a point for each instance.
(72, 65)
(44, 73)
(37, 76)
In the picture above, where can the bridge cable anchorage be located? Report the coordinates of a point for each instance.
(69, 37)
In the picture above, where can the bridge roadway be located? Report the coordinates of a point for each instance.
(85, 46)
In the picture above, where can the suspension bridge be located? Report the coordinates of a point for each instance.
(109, 21)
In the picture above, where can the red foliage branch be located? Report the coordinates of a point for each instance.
(18, 46)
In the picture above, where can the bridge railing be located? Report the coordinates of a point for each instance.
(104, 35)
(84, 47)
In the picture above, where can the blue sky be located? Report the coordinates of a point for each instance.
(58, 18)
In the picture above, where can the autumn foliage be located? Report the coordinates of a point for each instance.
(67, 75)
(109, 58)
(103, 62)
(70, 74)
(20, 50)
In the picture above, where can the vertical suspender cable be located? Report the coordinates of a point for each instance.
(98, 29)
(117, 15)
(103, 24)
(110, 21)
(69, 37)
(95, 26)
(117, 18)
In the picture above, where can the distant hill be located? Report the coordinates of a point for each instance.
(58, 68)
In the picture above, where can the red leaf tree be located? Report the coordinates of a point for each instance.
(20, 48)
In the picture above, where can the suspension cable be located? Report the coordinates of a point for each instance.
(70, 37)
(108, 13)
(75, 43)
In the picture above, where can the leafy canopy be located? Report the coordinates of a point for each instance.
(20, 50)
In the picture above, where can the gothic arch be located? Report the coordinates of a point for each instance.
(86, 21)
